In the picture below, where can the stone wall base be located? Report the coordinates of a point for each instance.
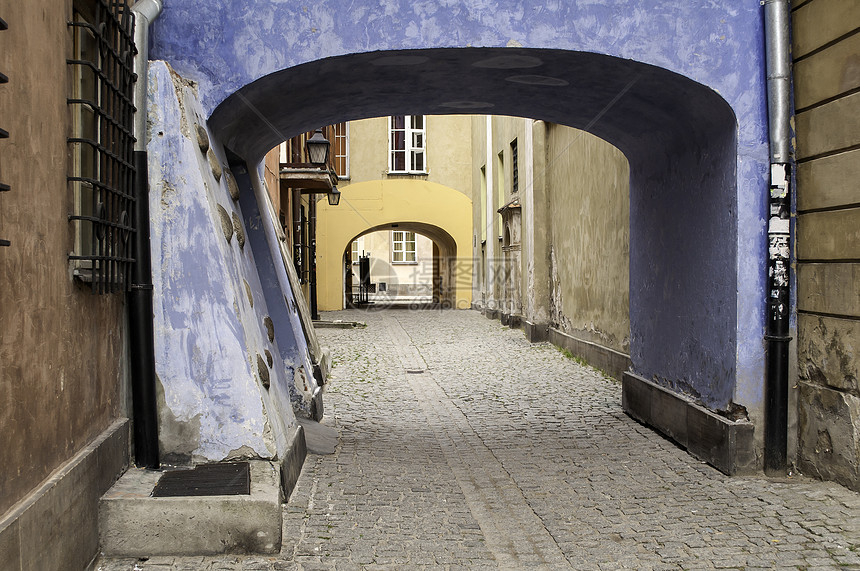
(829, 434)
(724, 444)
(291, 466)
(535, 332)
(491, 313)
(613, 363)
(56, 526)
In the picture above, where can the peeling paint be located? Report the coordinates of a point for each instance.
(232, 187)
(249, 293)
(202, 139)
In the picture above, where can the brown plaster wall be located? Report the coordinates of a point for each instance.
(61, 348)
(827, 77)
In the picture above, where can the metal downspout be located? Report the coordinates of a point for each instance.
(140, 297)
(776, 20)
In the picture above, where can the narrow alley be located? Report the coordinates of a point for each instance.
(462, 445)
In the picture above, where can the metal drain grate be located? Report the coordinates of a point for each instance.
(222, 479)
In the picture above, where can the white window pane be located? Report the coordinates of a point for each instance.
(417, 161)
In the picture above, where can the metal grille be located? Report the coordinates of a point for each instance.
(103, 143)
(3, 133)
(221, 479)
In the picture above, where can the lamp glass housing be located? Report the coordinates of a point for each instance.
(318, 148)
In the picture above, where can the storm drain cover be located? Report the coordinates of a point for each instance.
(222, 479)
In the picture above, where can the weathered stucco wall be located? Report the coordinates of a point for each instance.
(827, 76)
(589, 203)
(62, 349)
(676, 86)
(573, 272)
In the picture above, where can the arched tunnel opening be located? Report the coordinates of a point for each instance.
(679, 140)
(678, 136)
(409, 264)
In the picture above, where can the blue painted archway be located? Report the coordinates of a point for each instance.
(677, 86)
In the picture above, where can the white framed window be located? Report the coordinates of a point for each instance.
(407, 144)
(403, 249)
(340, 148)
(356, 250)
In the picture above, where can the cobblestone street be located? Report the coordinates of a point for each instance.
(462, 445)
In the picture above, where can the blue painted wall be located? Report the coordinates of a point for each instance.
(677, 86)
(210, 303)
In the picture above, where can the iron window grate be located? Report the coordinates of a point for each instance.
(102, 174)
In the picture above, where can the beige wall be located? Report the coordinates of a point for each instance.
(588, 189)
(573, 219)
(826, 53)
(272, 167)
(448, 151)
(400, 279)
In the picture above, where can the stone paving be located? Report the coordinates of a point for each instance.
(465, 446)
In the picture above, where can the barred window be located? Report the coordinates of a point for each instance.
(102, 142)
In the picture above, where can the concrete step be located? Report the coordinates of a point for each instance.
(132, 523)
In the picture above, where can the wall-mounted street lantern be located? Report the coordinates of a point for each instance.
(318, 148)
(334, 197)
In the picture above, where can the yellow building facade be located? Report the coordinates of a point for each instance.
(406, 174)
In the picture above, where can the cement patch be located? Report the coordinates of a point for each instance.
(321, 439)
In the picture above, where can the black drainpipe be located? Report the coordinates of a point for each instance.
(140, 316)
(141, 329)
(776, 19)
(312, 254)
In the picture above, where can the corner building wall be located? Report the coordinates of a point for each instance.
(827, 78)
(63, 438)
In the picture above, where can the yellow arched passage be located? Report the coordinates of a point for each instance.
(444, 259)
(377, 204)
